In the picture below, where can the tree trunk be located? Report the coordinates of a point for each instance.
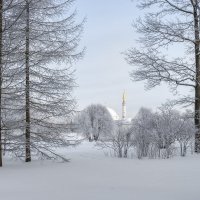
(1, 46)
(96, 137)
(197, 87)
(125, 153)
(27, 87)
(184, 149)
(120, 153)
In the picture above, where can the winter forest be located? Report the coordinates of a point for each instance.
(99, 100)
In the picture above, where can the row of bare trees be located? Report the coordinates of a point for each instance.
(39, 42)
(160, 134)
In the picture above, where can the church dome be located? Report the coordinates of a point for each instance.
(113, 114)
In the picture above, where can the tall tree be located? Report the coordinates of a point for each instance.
(27, 84)
(49, 44)
(1, 43)
(167, 23)
(7, 20)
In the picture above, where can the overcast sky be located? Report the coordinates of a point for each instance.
(103, 74)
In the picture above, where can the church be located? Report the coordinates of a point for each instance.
(123, 119)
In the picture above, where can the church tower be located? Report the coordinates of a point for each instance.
(124, 106)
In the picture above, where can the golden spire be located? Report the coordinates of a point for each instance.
(124, 97)
(124, 106)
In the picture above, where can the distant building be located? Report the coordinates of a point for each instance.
(123, 120)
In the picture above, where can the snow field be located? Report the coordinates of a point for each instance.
(90, 175)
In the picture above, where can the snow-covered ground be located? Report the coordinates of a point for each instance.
(93, 176)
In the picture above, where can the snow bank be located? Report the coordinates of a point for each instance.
(92, 176)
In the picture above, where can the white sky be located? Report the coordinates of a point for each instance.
(103, 74)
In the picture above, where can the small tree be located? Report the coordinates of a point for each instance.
(186, 133)
(119, 141)
(95, 121)
(166, 127)
(142, 127)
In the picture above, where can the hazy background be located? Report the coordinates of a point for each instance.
(103, 74)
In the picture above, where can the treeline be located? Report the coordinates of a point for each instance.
(160, 134)
(39, 41)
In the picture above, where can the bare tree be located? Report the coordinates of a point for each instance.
(156, 134)
(186, 133)
(167, 126)
(142, 126)
(95, 121)
(120, 140)
(167, 23)
(128, 139)
(1, 43)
